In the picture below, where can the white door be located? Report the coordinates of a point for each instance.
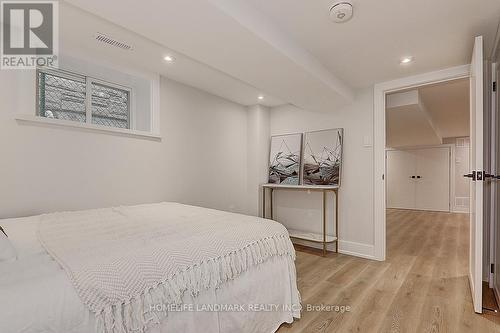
(433, 179)
(476, 185)
(496, 184)
(400, 184)
(419, 179)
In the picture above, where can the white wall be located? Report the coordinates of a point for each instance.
(303, 210)
(205, 140)
(201, 160)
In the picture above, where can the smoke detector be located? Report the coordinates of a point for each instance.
(341, 11)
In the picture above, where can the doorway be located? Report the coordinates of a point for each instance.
(480, 168)
(427, 147)
(427, 129)
(379, 143)
(427, 136)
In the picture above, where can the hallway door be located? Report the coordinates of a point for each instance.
(476, 175)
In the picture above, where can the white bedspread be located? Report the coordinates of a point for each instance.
(36, 296)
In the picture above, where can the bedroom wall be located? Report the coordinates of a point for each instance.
(303, 210)
(258, 134)
(201, 159)
(213, 153)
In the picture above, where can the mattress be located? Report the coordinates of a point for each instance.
(37, 296)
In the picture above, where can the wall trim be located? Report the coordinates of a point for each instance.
(458, 211)
(345, 247)
(41, 121)
(380, 91)
(357, 249)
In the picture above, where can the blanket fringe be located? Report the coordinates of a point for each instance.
(136, 314)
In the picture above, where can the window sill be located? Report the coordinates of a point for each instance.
(87, 127)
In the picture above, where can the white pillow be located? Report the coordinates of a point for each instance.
(7, 251)
(22, 234)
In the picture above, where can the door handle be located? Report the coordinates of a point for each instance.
(471, 175)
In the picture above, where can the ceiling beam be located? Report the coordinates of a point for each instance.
(430, 119)
(223, 36)
(256, 22)
(412, 97)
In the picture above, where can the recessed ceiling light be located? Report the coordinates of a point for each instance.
(169, 58)
(406, 60)
(260, 97)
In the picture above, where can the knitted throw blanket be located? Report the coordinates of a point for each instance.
(124, 260)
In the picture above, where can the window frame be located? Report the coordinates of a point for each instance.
(87, 80)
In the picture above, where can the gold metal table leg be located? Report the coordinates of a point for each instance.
(271, 208)
(263, 202)
(337, 220)
(324, 223)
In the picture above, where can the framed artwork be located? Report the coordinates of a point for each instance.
(284, 159)
(322, 157)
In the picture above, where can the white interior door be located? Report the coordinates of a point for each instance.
(496, 184)
(476, 185)
(400, 184)
(433, 179)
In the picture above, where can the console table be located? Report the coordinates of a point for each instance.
(312, 237)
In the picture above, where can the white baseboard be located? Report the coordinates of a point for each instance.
(464, 210)
(345, 247)
(361, 250)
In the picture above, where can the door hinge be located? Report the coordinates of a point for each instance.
(492, 268)
(494, 86)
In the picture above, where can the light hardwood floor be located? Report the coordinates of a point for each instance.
(421, 287)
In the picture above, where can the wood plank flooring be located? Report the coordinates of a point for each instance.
(421, 287)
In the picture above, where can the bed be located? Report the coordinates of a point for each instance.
(39, 291)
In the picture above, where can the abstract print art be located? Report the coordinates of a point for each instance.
(322, 157)
(284, 159)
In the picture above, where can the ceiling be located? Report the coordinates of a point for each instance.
(77, 37)
(289, 50)
(407, 127)
(448, 103)
(367, 49)
(429, 114)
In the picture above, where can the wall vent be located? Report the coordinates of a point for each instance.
(462, 142)
(113, 42)
(462, 202)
